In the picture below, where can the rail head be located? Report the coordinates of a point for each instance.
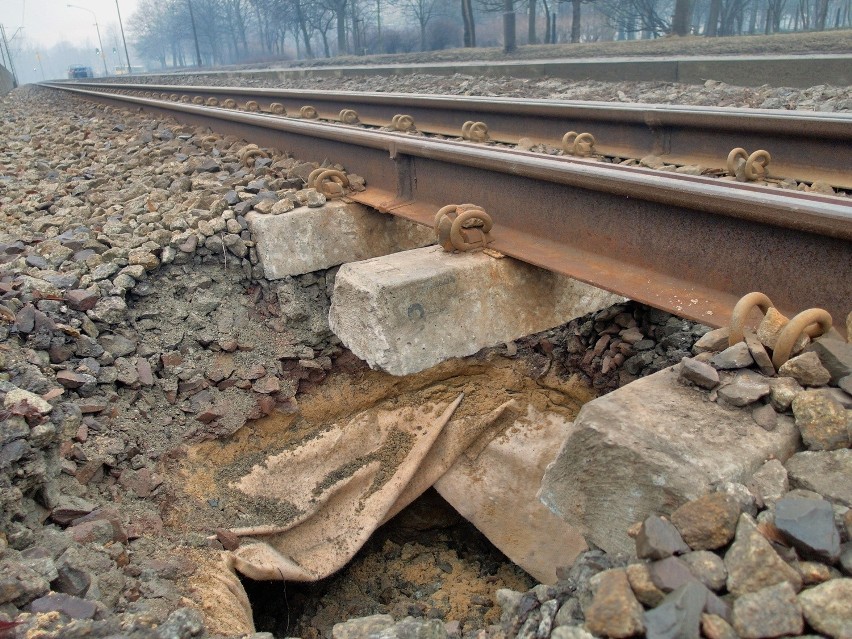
(824, 124)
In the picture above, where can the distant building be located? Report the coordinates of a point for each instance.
(122, 70)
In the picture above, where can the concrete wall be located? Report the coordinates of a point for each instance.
(5, 80)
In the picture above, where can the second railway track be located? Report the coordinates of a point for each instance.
(688, 244)
(809, 147)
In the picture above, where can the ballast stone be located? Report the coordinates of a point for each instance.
(409, 311)
(306, 239)
(651, 446)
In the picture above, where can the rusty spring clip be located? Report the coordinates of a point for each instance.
(330, 182)
(308, 112)
(208, 142)
(579, 144)
(402, 122)
(475, 131)
(812, 322)
(453, 233)
(249, 153)
(349, 116)
(748, 168)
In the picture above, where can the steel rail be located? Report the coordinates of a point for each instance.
(804, 146)
(686, 244)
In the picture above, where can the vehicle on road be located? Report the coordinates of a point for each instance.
(80, 71)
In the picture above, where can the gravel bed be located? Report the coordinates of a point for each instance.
(135, 319)
(824, 98)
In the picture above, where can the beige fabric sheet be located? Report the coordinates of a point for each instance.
(358, 474)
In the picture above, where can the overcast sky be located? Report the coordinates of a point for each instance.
(47, 22)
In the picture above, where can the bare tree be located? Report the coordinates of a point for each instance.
(774, 14)
(732, 17)
(160, 30)
(549, 24)
(338, 8)
(469, 23)
(507, 7)
(235, 26)
(233, 30)
(577, 18)
(711, 27)
(821, 15)
(509, 36)
(321, 20)
(150, 35)
(651, 17)
(532, 37)
(422, 12)
(682, 17)
(302, 23)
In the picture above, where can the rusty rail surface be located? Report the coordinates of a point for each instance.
(690, 245)
(804, 146)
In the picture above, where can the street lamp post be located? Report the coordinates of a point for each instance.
(98, 29)
(123, 39)
(40, 65)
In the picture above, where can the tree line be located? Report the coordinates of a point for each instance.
(183, 33)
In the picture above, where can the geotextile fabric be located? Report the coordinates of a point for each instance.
(324, 487)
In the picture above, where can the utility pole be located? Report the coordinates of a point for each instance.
(101, 44)
(123, 39)
(194, 34)
(40, 65)
(9, 55)
(358, 29)
(469, 25)
(3, 48)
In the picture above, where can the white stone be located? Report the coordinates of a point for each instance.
(18, 395)
(503, 505)
(649, 447)
(305, 239)
(407, 312)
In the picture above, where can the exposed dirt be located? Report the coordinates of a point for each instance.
(425, 563)
(203, 482)
(444, 569)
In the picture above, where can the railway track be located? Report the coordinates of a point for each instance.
(691, 245)
(798, 69)
(807, 147)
